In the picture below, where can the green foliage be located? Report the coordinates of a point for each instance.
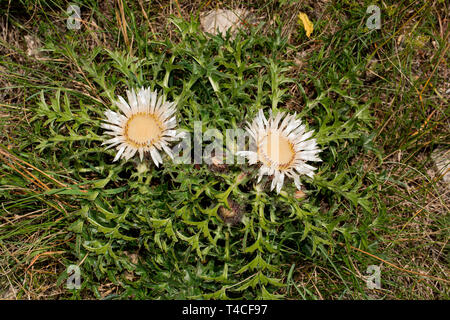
(170, 217)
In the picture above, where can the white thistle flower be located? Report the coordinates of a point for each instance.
(282, 147)
(146, 124)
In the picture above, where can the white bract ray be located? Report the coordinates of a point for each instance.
(145, 124)
(283, 146)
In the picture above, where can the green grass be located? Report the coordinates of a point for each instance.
(375, 98)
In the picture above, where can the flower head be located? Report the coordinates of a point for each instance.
(146, 124)
(282, 147)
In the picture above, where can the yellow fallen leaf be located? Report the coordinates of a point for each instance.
(307, 24)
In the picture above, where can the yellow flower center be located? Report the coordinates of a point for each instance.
(277, 148)
(143, 129)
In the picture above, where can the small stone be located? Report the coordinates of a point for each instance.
(219, 21)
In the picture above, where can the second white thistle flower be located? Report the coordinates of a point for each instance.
(283, 146)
